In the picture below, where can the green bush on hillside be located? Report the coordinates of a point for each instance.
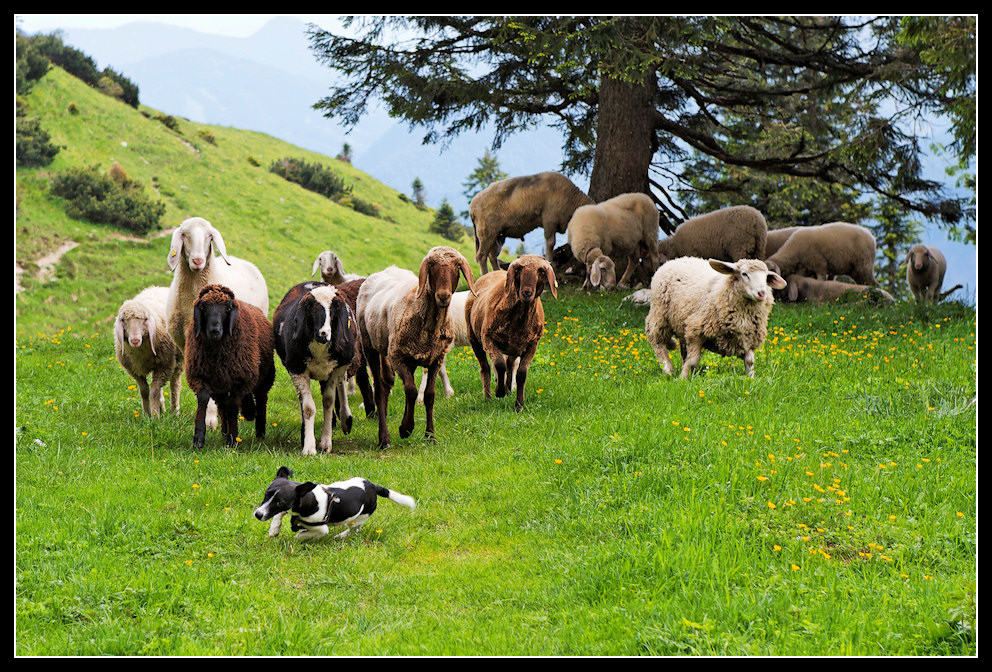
(34, 146)
(101, 199)
(311, 176)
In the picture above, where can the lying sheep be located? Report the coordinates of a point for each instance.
(513, 207)
(229, 358)
(626, 226)
(736, 232)
(404, 323)
(812, 290)
(331, 269)
(720, 306)
(143, 347)
(925, 269)
(193, 264)
(827, 250)
(506, 321)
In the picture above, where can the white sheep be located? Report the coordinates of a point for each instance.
(513, 207)
(625, 225)
(812, 290)
(828, 250)
(192, 262)
(143, 347)
(717, 305)
(925, 269)
(732, 233)
(404, 323)
(331, 269)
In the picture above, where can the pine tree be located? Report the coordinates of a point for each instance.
(446, 224)
(487, 172)
(418, 192)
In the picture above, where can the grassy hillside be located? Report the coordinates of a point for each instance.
(279, 226)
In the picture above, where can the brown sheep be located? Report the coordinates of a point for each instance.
(729, 234)
(925, 269)
(506, 320)
(229, 358)
(404, 323)
(827, 250)
(811, 290)
(516, 206)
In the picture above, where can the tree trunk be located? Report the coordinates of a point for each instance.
(624, 139)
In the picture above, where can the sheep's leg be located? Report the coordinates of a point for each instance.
(308, 409)
(341, 407)
(549, 244)
(632, 262)
(368, 396)
(146, 402)
(156, 395)
(443, 375)
(660, 344)
(521, 375)
(175, 385)
(383, 378)
(227, 408)
(404, 370)
(432, 371)
(199, 422)
(248, 407)
(484, 370)
(499, 363)
(749, 363)
(261, 404)
(693, 351)
(211, 417)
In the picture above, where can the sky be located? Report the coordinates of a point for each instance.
(231, 25)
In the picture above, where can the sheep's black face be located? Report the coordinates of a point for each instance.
(213, 321)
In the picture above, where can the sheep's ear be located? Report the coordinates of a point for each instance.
(119, 329)
(232, 318)
(197, 319)
(150, 325)
(423, 283)
(339, 266)
(218, 242)
(467, 272)
(722, 267)
(316, 265)
(552, 280)
(510, 285)
(595, 276)
(776, 281)
(175, 249)
(793, 291)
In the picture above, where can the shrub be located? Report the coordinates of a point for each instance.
(34, 146)
(311, 176)
(207, 136)
(102, 199)
(168, 121)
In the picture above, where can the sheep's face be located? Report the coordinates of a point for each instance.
(918, 258)
(211, 321)
(195, 240)
(327, 312)
(603, 272)
(133, 329)
(439, 274)
(751, 277)
(528, 276)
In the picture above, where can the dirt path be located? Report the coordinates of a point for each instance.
(46, 265)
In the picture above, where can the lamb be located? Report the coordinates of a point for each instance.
(516, 206)
(826, 250)
(506, 321)
(191, 260)
(404, 323)
(331, 269)
(316, 337)
(229, 358)
(144, 347)
(819, 291)
(717, 305)
(623, 225)
(925, 269)
(732, 233)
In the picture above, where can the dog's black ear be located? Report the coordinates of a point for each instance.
(284, 472)
(303, 488)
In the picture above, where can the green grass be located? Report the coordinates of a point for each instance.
(827, 506)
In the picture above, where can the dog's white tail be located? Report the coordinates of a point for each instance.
(399, 498)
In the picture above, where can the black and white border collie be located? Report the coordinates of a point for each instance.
(314, 508)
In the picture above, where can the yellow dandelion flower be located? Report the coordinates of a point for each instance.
(771, 505)
(776, 547)
(795, 567)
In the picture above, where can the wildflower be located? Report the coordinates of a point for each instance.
(557, 460)
(771, 505)
(795, 567)
(776, 547)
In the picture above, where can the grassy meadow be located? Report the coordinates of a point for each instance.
(827, 506)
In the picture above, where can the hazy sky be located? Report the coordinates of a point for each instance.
(233, 25)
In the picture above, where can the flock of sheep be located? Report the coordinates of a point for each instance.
(711, 287)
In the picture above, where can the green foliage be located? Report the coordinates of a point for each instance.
(34, 145)
(312, 176)
(446, 224)
(106, 199)
(31, 64)
(168, 121)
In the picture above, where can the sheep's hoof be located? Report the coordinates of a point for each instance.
(346, 424)
(430, 438)
(309, 450)
(404, 433)
(383, 445)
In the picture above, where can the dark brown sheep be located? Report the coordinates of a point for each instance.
(229, 358)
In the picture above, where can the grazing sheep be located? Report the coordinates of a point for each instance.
(826, 250)
(812, 290)
(316, 337)
(516, 206)
(736, 232)
(925, 269)
(192, 261)
(404, 323)
(720, 306)
(144, 347)
(331, 269)
(625, 225)
(229, 358)
(506, 320)
(776, 238)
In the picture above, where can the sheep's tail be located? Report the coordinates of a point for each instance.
(399, 498)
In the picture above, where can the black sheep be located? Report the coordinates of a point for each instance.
(229, 357)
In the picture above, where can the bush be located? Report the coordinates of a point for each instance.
(34, 146)
(168, 121)
(311, 176)
(103, 199)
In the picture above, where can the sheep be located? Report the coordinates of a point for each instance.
(516, 206)
(925, 269)
(623, 225)
(826, 250)
(717, 305)
(404, 323)
(331, 269)
(143, 347)
(506, 321)
(191, 261)
(456, 311)
(776, 238)
(229, 358)
(358, 371)
(812, 290)
(732, 233)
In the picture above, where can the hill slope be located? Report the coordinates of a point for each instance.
(278, 225)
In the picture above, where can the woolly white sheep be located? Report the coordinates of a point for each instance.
(404, 323)
(732, 233)
(192, 261)
(331, 269)
(144, 347)
(812, 290)
(717, 305)
(516, 206)
(925, 269)
(827, 250)
(625, 225)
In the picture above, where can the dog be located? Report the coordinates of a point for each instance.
(314, 508)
